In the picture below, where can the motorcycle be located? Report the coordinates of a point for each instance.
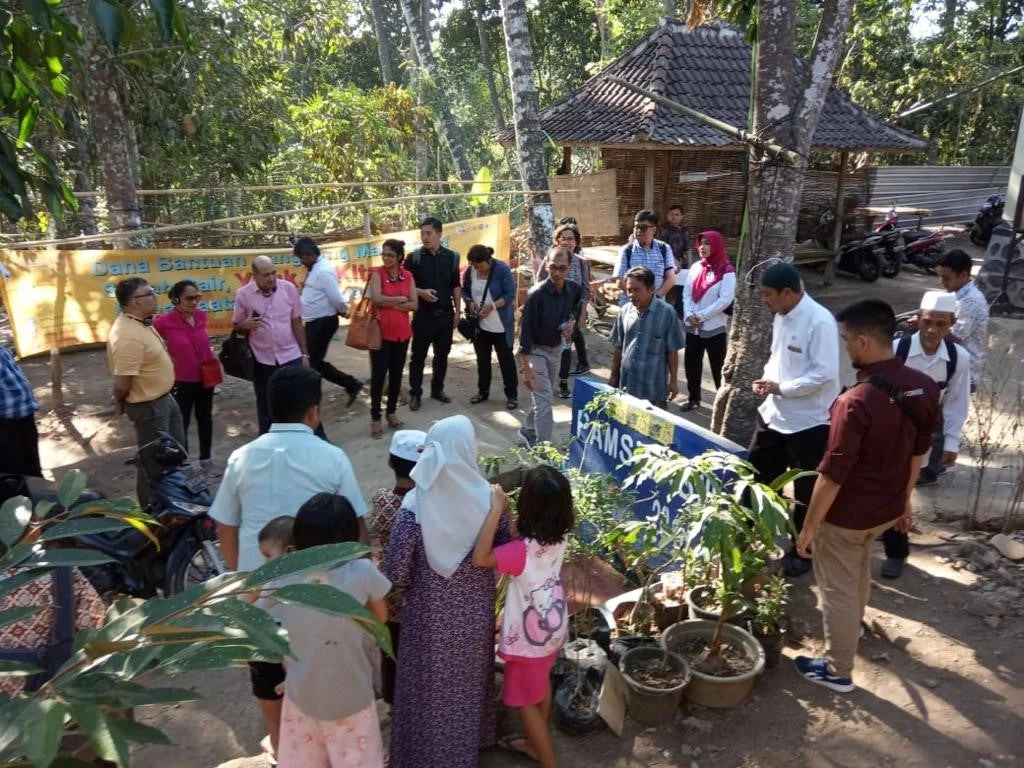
(188, 553)
(991, 213)
(863, 256)
(917, 246)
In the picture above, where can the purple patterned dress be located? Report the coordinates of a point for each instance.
(444, 700)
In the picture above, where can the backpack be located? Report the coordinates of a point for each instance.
(903, 351)
(59, 648)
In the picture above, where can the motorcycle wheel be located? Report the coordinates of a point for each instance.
(868, 269)
(190, 563)
(978, 238)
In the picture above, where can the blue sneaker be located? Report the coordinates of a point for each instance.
(816, 670)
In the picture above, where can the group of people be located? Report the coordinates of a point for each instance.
(440, 535)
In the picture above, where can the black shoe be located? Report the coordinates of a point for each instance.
(478, 398)
(441, 397)
(689, 406)
(563, 390)
(511, 403)
(353, 393)
(415, 401)
(892, 568)
(796, 566)
(927, 477)
(580, 370)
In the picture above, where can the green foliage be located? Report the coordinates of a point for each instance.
(208, 626)
(770, 605)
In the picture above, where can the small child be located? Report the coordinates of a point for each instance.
(329, 716)
(275, 538)
(535, 623)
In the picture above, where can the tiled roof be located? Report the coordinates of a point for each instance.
(706, 69)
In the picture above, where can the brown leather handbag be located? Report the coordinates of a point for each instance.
(364, 326)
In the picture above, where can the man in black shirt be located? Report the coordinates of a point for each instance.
(436, 272)
(547, 324)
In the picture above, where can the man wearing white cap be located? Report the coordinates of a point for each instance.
(406, 445)
(933, 352)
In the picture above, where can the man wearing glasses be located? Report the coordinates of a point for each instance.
(143, 372)
(643, 250)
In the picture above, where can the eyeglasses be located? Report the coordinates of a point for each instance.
(193, 297)
(145, 295)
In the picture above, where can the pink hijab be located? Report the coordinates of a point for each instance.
(713, 267)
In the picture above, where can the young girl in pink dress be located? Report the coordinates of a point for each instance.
(536, 620)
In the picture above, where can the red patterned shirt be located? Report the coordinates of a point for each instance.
(385, 506)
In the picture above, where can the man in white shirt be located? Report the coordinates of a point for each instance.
(322, 303)
(800, 381)
(274, 475)
(971, 329)
(932, 351)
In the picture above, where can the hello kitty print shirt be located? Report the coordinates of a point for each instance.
(536, 620)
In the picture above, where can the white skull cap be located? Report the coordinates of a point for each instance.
(939, 301)
(407, 444)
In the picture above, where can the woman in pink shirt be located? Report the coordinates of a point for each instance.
(184, 330)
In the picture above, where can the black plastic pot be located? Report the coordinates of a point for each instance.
(622, 644)
(771, 642)
(693, 600)
(601, 625)
(575, 705)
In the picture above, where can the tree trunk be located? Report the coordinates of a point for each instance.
(787, 108)
(387, 69)
(670, 9)
(526, 115)
(948, 21)
(488, 63)
(78, 159)
(418, 32)
(601, 8)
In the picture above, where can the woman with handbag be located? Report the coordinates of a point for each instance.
(393, 295)
(196, 370)
(489, 290)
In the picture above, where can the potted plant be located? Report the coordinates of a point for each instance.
(770, 623)
(737, 522)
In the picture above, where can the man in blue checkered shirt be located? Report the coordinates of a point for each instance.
(19, 440)
(643, 250)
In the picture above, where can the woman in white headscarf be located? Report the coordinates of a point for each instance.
(444, 699)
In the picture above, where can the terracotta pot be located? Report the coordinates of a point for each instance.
(707, 690)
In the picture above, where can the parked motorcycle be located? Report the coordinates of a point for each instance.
(917, 246)
(991, 213)
(864, 257)
(180, 500)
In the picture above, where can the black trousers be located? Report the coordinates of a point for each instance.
(260, 384)
(319, 333)
(483, 343)
(693, 361)
(581, 349)
(386, 363)
(19, 446)
(772, 453)
(389, 666)
(897, 545)
(193, 395)
(430, 328)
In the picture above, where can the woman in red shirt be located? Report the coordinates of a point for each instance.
(393, 293)
(184, 330)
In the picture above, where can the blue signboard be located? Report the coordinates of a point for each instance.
(632, 422)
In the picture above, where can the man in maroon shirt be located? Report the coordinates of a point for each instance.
(881, 431)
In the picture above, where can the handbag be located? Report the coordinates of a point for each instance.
(469, 325)
(210, 373)
(236, 357)
(364, 325)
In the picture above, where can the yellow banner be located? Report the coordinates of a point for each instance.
(57, 299)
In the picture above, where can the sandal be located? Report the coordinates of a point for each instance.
(518, 744)
(376, 431)
(477, 398)
(394, 422)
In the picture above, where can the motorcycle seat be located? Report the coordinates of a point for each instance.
(914, 235)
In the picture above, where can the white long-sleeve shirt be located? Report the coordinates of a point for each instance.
(712, 305)
(955, 396)
(804, 362)
(321, 296)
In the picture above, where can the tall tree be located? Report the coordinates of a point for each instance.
(526, 116)
(418, 33)
(788, 104)
(488, 64)
(387, 68)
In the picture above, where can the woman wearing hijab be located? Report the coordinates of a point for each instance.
(707, 297)
(444, 698)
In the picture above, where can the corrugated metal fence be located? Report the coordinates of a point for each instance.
(952, 193)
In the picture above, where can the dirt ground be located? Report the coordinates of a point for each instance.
(940, 680)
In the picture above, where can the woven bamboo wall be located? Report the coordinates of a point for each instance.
(717, 202)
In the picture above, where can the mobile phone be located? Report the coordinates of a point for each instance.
(255, 314)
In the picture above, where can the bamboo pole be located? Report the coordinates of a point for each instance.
(772, 149)
(279, 187)
(255, 216)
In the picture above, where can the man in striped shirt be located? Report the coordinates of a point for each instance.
(19, 439)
